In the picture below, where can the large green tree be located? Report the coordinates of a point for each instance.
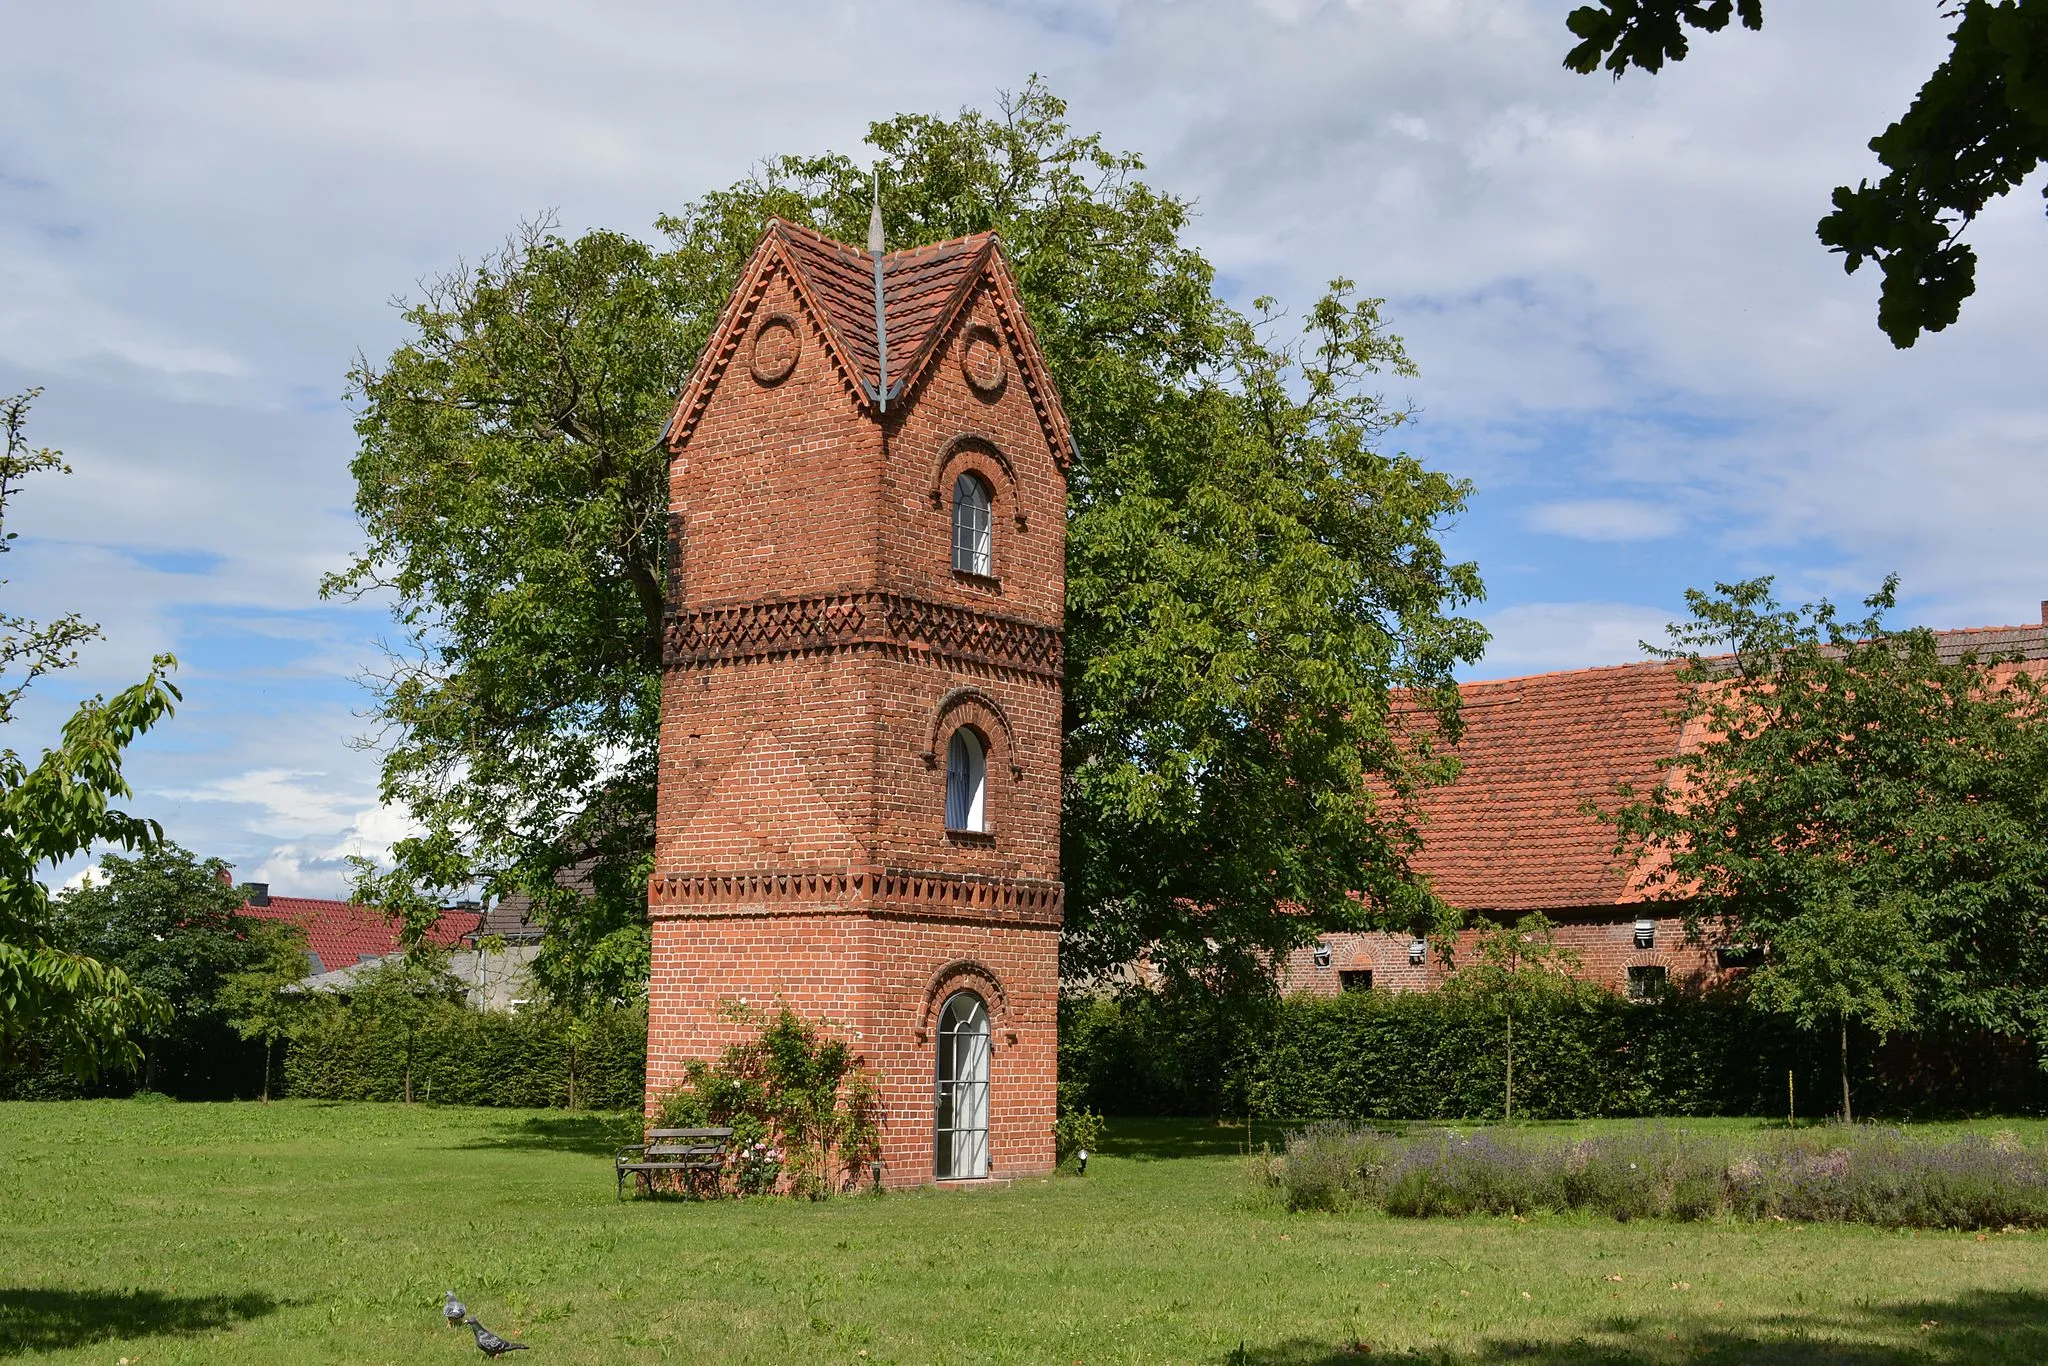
(83, 1011)
(1250, 575)
(1844, 765)
(1976, 130)
(170, 921)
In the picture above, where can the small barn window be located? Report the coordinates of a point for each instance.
(1357, 979)
(966, 782)
(1646, 983)
(972, 550)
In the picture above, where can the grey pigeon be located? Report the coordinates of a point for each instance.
(452, 1309)
(490, 1344)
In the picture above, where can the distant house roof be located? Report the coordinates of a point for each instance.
(341, 934)
(511, 919)
(1510, 833)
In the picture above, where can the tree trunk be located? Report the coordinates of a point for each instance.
(266, 1069)
(1508, 1109)
(1847, 1117)
(408, 1066)
(149, 1067)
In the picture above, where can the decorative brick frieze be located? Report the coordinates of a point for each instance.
(1013, 900)
(852, 621)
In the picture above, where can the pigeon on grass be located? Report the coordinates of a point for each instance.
(453, 1311)
(490, 1344)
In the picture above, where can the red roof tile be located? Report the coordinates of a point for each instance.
(341, 934)
(925, 288)
(922, 286)
(1510, 833)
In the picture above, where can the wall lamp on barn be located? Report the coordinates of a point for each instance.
(1646, 934)
(1322, 955)
(1418, 951)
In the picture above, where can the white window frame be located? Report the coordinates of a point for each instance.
(973, 525)
(967, 782)
(960, 1085)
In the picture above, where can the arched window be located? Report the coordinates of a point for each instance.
(966, 782)
(972, 552)
(960, 1102)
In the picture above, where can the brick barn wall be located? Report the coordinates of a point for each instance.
(1604, 939)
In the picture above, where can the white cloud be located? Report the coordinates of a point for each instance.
(317, 868)
(1538, 637)
(1605, 519)
(292, 802)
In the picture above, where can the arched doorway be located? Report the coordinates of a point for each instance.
(960, 1109)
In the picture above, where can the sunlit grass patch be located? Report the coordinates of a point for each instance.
(307, 1232)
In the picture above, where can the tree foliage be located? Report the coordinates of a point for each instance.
(1249, 575)
(1845, 962)
(1842, 764)
(169, 921)
(84, 1011)
(258, 999)
(1977, 129)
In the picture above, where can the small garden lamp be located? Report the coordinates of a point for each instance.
(876, 1172)
(1081, 1159)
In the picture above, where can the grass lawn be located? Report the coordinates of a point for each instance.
(305, 1232)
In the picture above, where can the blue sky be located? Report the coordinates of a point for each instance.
(1628, 337)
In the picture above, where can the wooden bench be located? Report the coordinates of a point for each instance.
(692, 1153)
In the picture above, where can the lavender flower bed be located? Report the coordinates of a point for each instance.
(1859, 1175)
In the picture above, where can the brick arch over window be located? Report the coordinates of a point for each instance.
(972, 707)
(981, 455)
(965, 974)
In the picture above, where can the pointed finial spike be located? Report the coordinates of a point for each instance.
(875, 217)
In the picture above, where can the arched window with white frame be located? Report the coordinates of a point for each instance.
(960, 1096)
(966, 782)
(973, 548)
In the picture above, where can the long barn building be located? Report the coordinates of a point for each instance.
(1511, 835)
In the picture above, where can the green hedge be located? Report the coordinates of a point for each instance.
(470, 1057)
(1387, 1055)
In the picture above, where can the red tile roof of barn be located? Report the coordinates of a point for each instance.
(341, 934)
(1510, 835)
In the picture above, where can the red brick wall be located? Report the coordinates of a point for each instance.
(1603, 938)
(821, 652)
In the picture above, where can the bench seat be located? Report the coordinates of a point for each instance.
(691, 1152)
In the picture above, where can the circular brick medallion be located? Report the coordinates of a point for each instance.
(982, 360)
(776, 345)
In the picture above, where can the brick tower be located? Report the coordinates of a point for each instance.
(860, 730)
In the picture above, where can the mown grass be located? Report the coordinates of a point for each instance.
(308, 1232)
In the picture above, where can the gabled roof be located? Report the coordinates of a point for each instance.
(341, 934)
(925, 289)
(1509, 834)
